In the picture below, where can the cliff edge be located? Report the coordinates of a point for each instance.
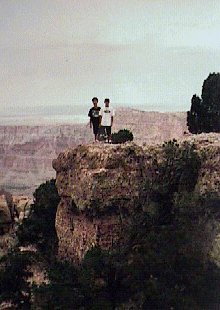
(100, 185)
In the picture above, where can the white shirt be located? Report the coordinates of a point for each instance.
(106, 113)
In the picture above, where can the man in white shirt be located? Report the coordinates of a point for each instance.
(106, 118)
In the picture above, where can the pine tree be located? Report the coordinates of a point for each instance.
(204, 115)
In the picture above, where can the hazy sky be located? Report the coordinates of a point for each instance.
(152, 54)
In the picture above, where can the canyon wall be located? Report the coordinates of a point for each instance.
(100, 185)
(26, 152)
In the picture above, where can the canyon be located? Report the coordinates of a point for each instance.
(27, 151)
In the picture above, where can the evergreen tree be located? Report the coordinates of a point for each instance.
(39, 227)
(194, 115)
(204, 115)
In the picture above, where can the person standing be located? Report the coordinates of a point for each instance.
(94, 117)
(106, 118)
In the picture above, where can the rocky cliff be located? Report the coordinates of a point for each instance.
(99, 186)
(26, 152)
(13, 209)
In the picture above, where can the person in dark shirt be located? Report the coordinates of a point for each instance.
(94, 117)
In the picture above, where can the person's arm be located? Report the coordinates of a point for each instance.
(112, 117)
(100, 117)
(90, 119)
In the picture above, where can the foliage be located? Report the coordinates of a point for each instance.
(104, 279)
(39, 227)
(204, 115)
(122, 136)
(176, 170)
(13, 279)
(63, 290)
(163, 263)
(169, 263)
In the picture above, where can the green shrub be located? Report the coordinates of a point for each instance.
(122, 136)
(39, 227)
(13, 279)
(63, 290)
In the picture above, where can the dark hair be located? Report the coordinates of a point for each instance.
(94, 98)
(106, 100)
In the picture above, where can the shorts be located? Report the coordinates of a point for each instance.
(107, 129)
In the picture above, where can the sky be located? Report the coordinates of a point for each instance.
(148, 54)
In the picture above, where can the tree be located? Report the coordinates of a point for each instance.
(194, 115)
(39, 227)
(204, 115)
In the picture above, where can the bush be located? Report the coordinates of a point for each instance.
(122, 136)
(63, 290)
(39, 227)
(13, 279)
(174, 170)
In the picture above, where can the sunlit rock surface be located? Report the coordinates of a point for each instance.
(99, 186)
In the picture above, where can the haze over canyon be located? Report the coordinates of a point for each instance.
(27, 151)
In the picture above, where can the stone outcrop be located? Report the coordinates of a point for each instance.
(5, 215)
(26, 152)
(13, 209)
(99, 185)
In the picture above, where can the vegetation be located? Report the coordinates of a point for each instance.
(164, 262)
(39, 227)
(13, 279)
(63, 291)
(204, 115)
(122, 136)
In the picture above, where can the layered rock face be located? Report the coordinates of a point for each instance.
(26, 152)
(151, 127)
(100, 185)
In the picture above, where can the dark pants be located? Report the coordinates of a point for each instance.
(107, 129)
(95, 128)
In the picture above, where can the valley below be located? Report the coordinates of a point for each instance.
(27, 151)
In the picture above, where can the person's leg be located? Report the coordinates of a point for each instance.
(95, 131)
(108, 130)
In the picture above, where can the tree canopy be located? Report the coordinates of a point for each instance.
(204, 115)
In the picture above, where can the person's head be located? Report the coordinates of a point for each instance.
(95, 101)
(107, 101)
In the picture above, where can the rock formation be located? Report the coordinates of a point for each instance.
(13, 209)
(26, 152)
(99, 186)
(5, 215)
